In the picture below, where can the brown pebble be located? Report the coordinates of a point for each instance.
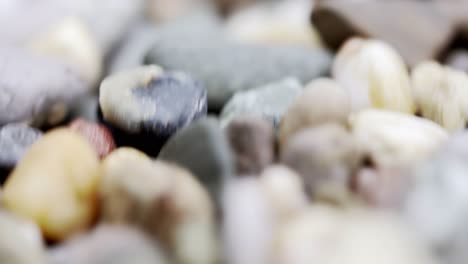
(97, 135)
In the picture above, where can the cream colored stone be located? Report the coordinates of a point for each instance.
(71, 41)
(441, 94)
(392, 139)
(374, 75)
(55, 184)
(322, 101)
(162, 199)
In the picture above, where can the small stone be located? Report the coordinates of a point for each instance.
(20, 241)
(458, 59)
(236, 67)
(97, 135)
(395, 140)
(15, 140)
(326, 157)
(109, 244)
(163, 200)
(148, 105)
(327, 235)
(279, 23)
(417, 29)
(322, 101)
(374, 75)
(440, 94)
(164, 11)
(203, 149)
(252, 141)
(71, 42)
(35, 89)
(55, 184)
(270, 101)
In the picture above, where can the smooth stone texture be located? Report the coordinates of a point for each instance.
(85, 107)
(355, 236)
(20, 241)
(55, 184)
(165, 11)
(252, 141)
(270, 101)
(322, 101)
(203, 148)
(147, 105)
(226, 67)
(35, 89)
(15, 140)
(109, 244)
(417, 29)
(326, 157)
(162, 199)
(395, 140)
(458, 59)
(97, 135)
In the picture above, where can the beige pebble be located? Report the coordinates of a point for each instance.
(374, 75)
(162, 199)
(55, 184)
(322, 101)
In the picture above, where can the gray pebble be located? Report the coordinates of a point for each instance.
(15, 140)
(270, 101)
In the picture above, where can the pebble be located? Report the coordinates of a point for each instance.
(395, 140)
(374, 75)
(20, 241)
(109, 244)
(270, 101)
(71, 42)
(165, 11)
(164, 200)
(280, 22)
(458, 59)
(86, 107)
(60, 166)
(322, 101)
(97, 135)
(204, 149)
(328, 235)
(40, 98)
(326, 157)
(226, 67)
(15, 140)
(252, 142)
(417, 29)
(439, 93)
(146, 104)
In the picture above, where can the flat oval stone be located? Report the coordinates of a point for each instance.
(148, 101)
(55, 184)
(15, 140)
(97, 135)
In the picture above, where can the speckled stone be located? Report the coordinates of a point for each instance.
(145, 106)
(270, 101)
(109, 244)
(97, 135)
(203, 148)
(252, 141)
(227, 68)
(35, 89)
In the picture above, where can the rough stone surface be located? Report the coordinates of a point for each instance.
(97, 135)
(20, 241)
(270, 101)
(55, 184)
(203, 149)
(164, 200)
(15, 140)
(109, 244)
(226, 67)
(322, 101)
(34, 88)
(252, 141)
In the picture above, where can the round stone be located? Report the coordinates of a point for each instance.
(97, 135)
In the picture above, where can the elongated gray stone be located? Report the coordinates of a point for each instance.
(35, 89)
(270, 101)
(227, 67)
